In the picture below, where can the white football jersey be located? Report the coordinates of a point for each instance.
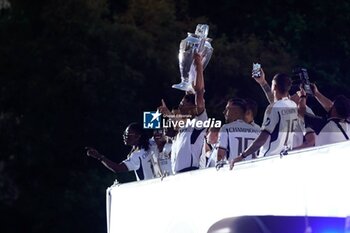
(300, 130)
(203, 159)
(187, 147)
(237, 136)
(332, 132)
(161, 159)
(255, 125)
(213, 156)
(280, 120)
(140, 162)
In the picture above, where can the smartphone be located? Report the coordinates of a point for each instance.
(256, 73)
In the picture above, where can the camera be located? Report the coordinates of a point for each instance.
(304, 79)
(256, 73)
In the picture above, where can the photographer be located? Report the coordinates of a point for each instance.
(335, 127)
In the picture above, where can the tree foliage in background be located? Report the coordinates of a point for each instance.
(75, 73)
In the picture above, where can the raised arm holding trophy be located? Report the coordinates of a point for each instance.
(195, 42)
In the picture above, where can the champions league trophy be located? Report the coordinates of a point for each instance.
(195, 42)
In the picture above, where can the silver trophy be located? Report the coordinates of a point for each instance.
(195, 42)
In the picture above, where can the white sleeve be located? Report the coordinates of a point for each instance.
(223, 138)
(202, 117)
(133, 162)
(271, 119)
(203, 157)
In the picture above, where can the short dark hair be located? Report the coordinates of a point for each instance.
(144, 139)
(240, 103)
(283, 82)
(294, 89)
(251, 105)
(342, 106)
(191, 98)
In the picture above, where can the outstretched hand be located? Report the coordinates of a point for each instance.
(237, 159)
(164, 109)
(301, 92)
(93, 153)
(314, 88)
(261, 80)
(232, 164)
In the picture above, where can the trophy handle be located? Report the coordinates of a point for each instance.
(202, 30)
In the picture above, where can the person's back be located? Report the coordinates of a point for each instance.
(334, 131)
(236, 136)
(280, 120)
(280, 117)
(335, 126)
(303, 136)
